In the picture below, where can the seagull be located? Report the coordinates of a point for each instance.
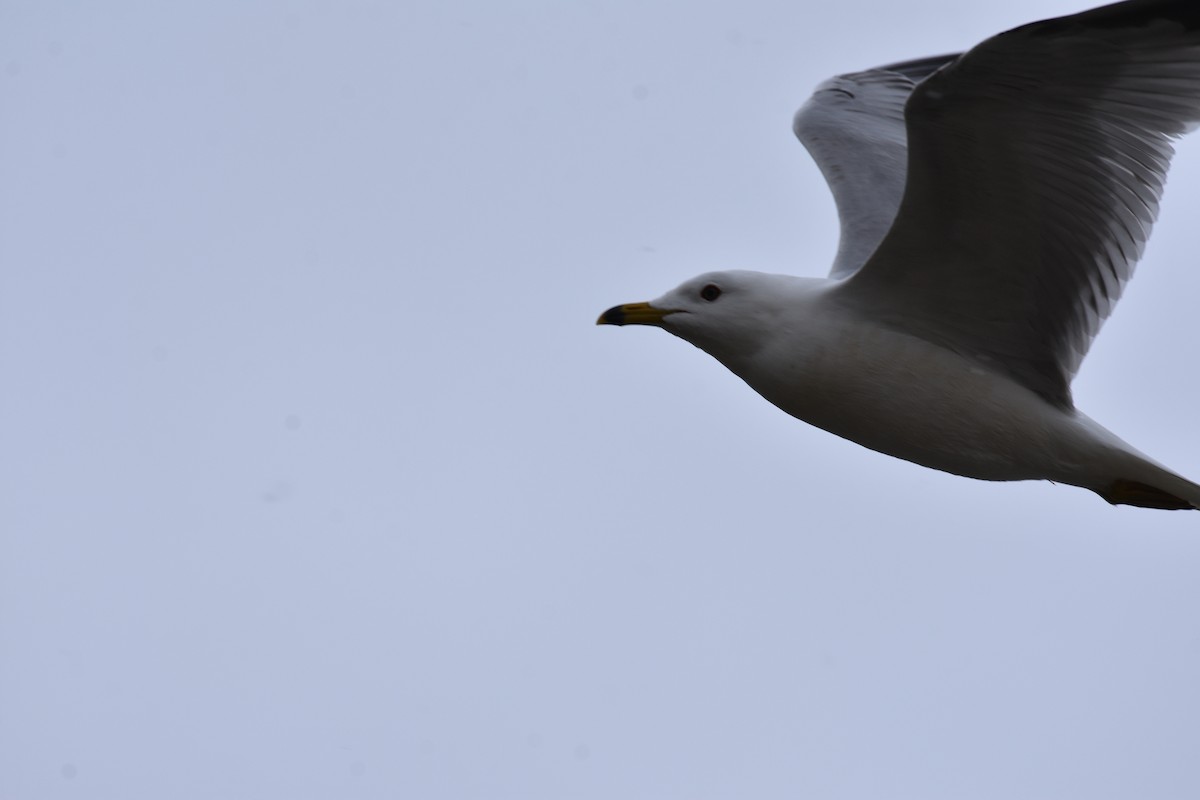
(992, 206)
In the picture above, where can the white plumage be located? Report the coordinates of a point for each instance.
(992, 207)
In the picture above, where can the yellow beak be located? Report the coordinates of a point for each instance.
(633, 314)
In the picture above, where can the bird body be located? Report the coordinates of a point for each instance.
(992, 207)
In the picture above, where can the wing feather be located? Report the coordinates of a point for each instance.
(1036, 163)
(853, 126)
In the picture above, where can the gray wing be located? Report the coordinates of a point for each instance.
(853, 126)
(1036, 164)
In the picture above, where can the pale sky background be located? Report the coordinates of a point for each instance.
(318, 481)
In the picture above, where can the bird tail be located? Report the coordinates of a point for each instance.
(1183, 495)
(1126, 477)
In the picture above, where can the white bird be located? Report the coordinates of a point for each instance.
(992, 206)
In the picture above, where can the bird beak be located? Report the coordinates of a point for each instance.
(633, 314)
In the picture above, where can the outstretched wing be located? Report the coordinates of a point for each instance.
(1036, 164)
(853, 126)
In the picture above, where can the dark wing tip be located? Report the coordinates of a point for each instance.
(1130, 14)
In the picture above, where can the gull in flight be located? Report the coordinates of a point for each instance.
(992, 206)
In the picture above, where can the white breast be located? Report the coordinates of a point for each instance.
(903, 396)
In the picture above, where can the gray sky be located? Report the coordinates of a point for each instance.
(319, 481)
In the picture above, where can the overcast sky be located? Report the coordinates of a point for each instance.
(318, 481)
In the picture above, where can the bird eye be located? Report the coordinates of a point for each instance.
(710, 292)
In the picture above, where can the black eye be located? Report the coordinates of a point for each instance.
(710, 292)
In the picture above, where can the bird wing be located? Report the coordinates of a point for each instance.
(853, 126)
(1035, 167)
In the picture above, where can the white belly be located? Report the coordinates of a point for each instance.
(903, 396)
